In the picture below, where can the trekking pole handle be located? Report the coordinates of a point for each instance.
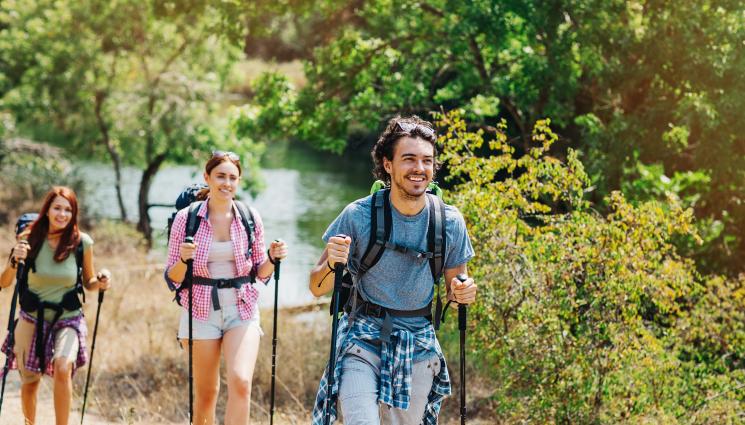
(189, 239)
(338, 271)
(462, 312)
(276, 263)
(22, 261)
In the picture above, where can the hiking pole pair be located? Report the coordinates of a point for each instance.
(274, 338)
(335, 301)
(93, 349)
(11, 326)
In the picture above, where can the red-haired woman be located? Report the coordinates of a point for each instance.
(58, 261)
(227, 257)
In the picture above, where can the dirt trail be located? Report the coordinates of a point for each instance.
(12, 413)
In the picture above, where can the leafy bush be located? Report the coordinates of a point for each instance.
(586, 318)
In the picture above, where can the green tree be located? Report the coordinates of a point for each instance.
(626, 83)
(138, 82)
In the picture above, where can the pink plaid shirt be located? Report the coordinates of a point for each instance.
(247, 294)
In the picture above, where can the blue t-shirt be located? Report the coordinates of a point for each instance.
(400, 281)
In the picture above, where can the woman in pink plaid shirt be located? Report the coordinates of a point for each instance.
(225, 310)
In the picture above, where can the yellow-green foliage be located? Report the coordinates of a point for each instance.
(584, 317)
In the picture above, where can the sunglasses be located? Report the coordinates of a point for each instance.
(408, 127)
(222, 154)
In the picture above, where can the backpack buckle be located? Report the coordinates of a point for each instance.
(374, 310)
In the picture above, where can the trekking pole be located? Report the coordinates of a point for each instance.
(274, 339)
(189, 271)
(93, 349)
(335, 300)
(462, 319)
(11, 327)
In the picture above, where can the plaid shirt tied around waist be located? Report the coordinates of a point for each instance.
(32, 362)
(395, 369)
(246, 295)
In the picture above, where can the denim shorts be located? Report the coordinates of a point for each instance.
(219, 321)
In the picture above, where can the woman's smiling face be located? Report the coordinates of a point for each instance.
(223, 181)
(60, 214)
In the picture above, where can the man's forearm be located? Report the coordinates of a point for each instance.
(321, 279)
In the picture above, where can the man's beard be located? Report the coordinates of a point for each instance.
(405, 194)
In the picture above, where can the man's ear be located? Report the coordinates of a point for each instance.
(387, 165)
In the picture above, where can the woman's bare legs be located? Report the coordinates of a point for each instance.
(206, 378)
(241, 347)
(62, 390)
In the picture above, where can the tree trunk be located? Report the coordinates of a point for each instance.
(144, 197)
(116, 159)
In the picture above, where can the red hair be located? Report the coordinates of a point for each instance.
(40, 228)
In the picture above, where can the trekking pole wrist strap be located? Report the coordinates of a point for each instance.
(329, 266)
(269, 256)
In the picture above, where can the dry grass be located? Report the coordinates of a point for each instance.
(139, 370)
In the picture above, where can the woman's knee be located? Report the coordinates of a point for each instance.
(240, 386)
(31, 387)
(62, 370)
(207, 394)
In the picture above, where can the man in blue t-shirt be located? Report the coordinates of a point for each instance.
(390, 368)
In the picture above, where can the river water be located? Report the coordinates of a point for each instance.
(304, 191)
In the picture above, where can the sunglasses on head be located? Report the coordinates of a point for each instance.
(222, 154)
(408, 127)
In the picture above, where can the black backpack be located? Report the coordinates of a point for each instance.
(185, 198)
(381, 223)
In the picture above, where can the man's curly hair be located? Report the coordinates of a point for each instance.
(393, 132)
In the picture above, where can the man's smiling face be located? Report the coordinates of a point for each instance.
(412, 167)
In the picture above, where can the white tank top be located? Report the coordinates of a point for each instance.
(220, 261)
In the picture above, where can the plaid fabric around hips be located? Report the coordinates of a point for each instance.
(395, 369)
(32, 362)
(203, 239)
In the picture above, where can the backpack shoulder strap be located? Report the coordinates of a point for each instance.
(247, 219)
(436, 240)
(79, 251)
(193, 219)
(436, 236)
(249, 224)
(380, 229)
(192, 225)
